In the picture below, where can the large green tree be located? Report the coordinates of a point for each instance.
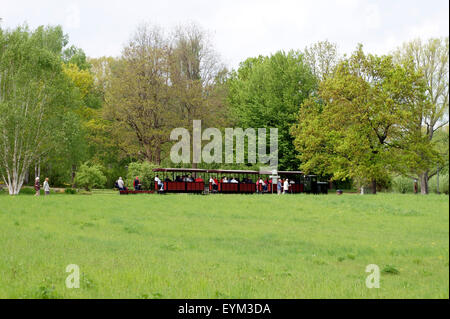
(353, 127)
(266, 92)
(33, 94)
(161, 83)
(431, 59)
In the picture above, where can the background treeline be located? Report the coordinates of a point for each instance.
(358, 120)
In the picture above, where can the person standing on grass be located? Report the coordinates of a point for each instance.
(46, 187)
(279, 186)
(37, 187)
(121, 184)
(286, 186)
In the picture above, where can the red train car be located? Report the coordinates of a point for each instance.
(192, 180)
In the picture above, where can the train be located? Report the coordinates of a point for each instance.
(219, 181)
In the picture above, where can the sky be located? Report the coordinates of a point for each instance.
(239, 29)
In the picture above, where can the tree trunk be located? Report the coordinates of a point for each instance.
(74, 168)
(158, 155)
(424, 183)
(37, 169)
(374, 186)
(27, 178)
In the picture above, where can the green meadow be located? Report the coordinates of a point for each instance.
(224, 246)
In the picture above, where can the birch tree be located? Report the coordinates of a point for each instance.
(431, 60)
(31, 89)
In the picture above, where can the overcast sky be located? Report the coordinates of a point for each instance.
(240, 29)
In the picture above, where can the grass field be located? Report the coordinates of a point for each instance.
(224, 246)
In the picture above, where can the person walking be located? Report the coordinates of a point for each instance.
(279, 187)
(46, 187)
(37, 187)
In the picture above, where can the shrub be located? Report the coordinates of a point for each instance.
(145, 172)
(30, 191)
(90, 176)
(401, 184)
(443, 184)
(70, 191)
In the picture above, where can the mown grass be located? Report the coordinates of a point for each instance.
(224, 246)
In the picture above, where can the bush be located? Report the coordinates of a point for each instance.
(90, 176)
(443, 184)
(29, 191)
(401, 184)
(145, 172)
(70, 191)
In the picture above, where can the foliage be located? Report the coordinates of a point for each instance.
(90, 176)
(70, 191)
(322, 58)
(443, 184)
(144, 170)
(351, 129)
(34, 92)
(403, 185)
(159, 84)
(266, 92)
(431, 60)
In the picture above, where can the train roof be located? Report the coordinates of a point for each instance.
(224, 171)
(193, 170)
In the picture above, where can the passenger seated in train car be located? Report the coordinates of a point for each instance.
(234, 181)
(199, 179)
(160, 184)
(137, 184)
(178, 179)
(189, 179)
(263, 184)
(225, 180)
(213, 183)
(167, 179)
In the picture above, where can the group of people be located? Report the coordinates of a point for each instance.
(283, 186)
(120, 184)
(37, 187)
(261, 185)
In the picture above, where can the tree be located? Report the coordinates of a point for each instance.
(76, 56)
(158, 84)
(267, 92)
(352, 128)
(145, 173)
(431, 59)
(89, 177)
(33, 91)
(322, 58)
(139, 102)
